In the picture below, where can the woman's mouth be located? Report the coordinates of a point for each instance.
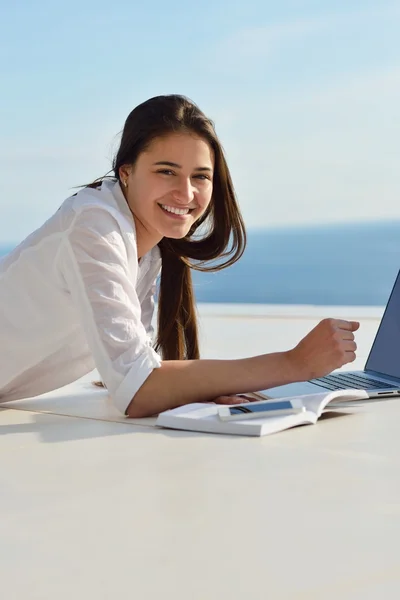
(173, 211)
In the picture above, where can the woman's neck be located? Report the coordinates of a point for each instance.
(145, 240)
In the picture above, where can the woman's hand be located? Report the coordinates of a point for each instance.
(238, 399)
(177, 382)
(327, 347)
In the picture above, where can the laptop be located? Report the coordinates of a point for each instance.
(381, 375)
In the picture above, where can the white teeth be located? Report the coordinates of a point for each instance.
(176, 211)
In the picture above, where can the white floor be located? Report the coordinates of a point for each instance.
(94, 506)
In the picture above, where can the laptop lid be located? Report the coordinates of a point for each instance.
(384, 357)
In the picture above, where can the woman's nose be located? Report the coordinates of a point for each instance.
(184, 191)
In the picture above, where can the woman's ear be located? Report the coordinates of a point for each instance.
(124, 172)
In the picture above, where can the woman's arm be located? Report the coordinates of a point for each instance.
(100, 284)
(328, 346)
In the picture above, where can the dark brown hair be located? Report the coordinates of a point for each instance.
(222, 234)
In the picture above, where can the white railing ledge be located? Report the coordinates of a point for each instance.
(274, 311)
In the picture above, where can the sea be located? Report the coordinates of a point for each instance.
(350, 264)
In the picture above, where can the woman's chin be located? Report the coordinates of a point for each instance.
(174, 235)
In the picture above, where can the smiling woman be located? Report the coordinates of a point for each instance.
(180, 189)
(78, 293)
(174, 177)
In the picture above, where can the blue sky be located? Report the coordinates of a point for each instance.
(305, 97)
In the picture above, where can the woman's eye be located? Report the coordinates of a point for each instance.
(202, 177)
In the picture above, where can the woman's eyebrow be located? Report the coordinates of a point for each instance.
(176, 166)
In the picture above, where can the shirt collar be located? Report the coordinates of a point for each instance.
(113, 186)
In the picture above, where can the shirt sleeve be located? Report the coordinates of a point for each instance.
(102, 284)
(148, 310)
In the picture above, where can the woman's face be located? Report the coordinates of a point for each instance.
(170, 186)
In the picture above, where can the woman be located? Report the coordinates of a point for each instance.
(78, 292)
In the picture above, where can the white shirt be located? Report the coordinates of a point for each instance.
(73, 296)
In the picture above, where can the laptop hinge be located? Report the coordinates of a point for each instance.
(382, 376)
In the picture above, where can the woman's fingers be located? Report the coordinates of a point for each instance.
(346, 325)
(232, 399)
(348, 335)
(350, 346)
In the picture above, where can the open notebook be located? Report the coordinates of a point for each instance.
(204, 416)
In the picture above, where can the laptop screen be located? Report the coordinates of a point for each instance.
(385, 356)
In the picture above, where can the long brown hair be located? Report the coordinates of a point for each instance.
(222, 234)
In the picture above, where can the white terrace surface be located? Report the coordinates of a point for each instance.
(94, 506)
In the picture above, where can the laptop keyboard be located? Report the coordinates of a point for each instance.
(342, 381)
